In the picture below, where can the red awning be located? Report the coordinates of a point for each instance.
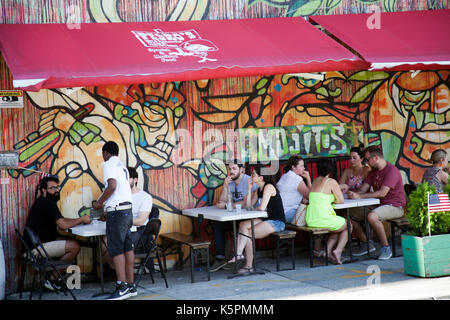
(414, 40)
(55, 56)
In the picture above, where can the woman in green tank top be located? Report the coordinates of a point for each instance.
(320, 212)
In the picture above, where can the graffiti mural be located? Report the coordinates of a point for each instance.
(170, 131)
(141, 119)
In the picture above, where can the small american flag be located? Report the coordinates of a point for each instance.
(438, 202)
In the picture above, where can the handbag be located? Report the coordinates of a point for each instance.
(300, 216)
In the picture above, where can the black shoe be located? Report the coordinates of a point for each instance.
(53, 285)
(122, 292)
(218, 264)
(133, 289)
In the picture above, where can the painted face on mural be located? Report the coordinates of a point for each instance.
(152, 113)
(419, 106)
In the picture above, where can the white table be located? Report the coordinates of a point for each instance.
(222, 215)
(96, 229)
(353, 203)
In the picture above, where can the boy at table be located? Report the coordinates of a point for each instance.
(387, 184)
(237, 184)
(117, 200)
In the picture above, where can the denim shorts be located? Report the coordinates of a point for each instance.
(118, 233)
(277, 225)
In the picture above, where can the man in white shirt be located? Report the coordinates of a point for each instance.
(142, 206)
(116, 199)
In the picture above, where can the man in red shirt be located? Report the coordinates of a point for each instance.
(387, 185)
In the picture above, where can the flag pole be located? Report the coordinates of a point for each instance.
(428, 213)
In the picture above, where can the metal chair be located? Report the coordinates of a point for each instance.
(41, 262)
(147, 249)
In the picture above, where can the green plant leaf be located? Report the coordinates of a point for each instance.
(417, 213)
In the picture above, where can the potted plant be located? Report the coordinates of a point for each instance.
(426, 246)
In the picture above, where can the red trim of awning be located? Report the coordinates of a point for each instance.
(412, 40)
(56, 56)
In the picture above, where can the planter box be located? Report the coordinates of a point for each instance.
(426, 256)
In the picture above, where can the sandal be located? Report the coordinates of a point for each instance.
(245, 270)
(319, 254)
(239, 257)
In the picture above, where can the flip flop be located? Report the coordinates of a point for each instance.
(239, 257)
(245, 270)
(319, 254)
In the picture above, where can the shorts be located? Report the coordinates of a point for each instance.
(290, 215)
(55, 249)
(118, 234)
(384, 212)
(136, 235)
(277, 225)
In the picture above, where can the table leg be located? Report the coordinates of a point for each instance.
(349, 234)
(102, 292)
(235, 235)
(254, 251)
(367, 231)
(99, 240)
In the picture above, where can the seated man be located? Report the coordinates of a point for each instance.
(237, 184)
(387, 184)
(141, 208)
(45, 217)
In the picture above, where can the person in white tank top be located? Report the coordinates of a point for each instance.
(292, 186)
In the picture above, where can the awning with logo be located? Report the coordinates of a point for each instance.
(413, 40)
(61, 56)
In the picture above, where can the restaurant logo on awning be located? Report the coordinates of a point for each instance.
(170, 46)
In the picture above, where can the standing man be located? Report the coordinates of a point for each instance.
(387, 184)
(116, 199)
(45, 217)
(237, 184)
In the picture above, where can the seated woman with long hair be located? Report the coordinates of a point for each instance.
(353, 177)
(270, 201)
(320, 213)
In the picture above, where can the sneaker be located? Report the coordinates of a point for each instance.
(122, 292)
(385, 253)
(133, 289)
(363, 249)
(52, 285)
(218, 264)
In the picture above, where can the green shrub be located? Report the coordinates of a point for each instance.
(416, 213)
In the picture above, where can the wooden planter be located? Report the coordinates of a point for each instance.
(426, 256)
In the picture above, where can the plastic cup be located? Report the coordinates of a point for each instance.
(238, 208)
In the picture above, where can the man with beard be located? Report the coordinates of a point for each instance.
(237, 184)
(44, 218)
(387, 184)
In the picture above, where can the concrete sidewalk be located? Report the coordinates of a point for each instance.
(360, 280)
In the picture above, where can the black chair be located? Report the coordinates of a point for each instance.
(41, 263)
(147, 249)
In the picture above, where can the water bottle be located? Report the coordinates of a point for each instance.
(229, 201)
